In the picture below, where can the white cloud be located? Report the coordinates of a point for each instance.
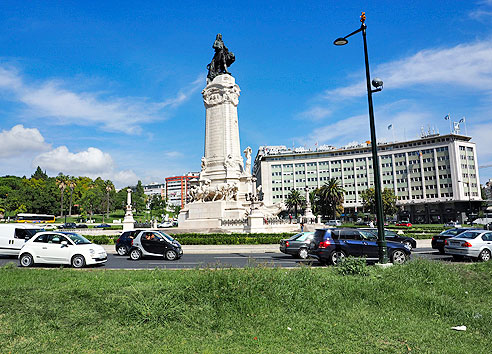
(464, 66)
(20, 140)
(316, 113)
(90, 162)
(51, 99)
(173, 154)
(483, 12)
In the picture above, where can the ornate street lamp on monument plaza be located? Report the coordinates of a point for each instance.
(378, 86)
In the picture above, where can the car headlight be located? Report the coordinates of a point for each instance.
(408, 247)
(92, 252)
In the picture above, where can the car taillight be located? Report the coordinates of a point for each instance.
(286, 243)
(433, 238)
(132, 242)
(118, 240)
(466, 244)
(324, 244)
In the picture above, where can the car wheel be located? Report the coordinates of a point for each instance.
(122, 251)
(408, 244)
(484, 256)
(337, 257)
(171, 255)
(26, 260)
(78, 261)
(398, 257)
(135, 255)
(441, 250)
(303, 253)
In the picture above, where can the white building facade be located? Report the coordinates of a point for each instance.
(435, 178)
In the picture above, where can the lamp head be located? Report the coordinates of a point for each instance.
(340, 41)
(377, 83)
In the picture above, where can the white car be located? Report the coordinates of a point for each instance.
(334, 223)
(61, 248)
(473, 243)
(165, 224)
(454, 224)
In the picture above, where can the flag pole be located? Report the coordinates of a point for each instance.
(464, 121)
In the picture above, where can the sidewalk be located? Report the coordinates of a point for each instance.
(216, 249)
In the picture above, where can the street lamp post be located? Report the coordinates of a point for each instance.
(378, 86)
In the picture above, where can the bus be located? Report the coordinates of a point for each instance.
(35, 218)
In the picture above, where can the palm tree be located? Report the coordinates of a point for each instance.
(61, 181)
(71, 184)
(331, 195)
(294, 200)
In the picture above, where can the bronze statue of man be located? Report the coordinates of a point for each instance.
(221, 60)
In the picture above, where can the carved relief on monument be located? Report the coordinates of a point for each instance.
(207, 193)
(215, 95)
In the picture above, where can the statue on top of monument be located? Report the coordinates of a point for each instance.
(221, 60)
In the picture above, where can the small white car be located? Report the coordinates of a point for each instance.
(61, 248)
(165, 224)
(473, 243)
(334, 223)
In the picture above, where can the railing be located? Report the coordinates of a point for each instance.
(275, 221)
(233, 222)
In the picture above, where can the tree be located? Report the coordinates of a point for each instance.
(157, 203)
(62, 182)
(71, 184)
(388, 198)
(138, 198)
(39, 174)
(295, 200)
(331, 197)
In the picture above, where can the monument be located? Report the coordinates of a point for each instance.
(128, 221)
(225, 180)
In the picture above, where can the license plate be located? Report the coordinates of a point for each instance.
(439, 241)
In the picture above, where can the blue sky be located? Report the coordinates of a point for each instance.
(113, 88)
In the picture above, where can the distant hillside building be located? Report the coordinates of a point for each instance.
(177, 187)
(435, 177)
(155, 188)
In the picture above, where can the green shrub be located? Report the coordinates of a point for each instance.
(353, 266)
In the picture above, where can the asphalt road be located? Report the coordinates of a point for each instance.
(227, 260)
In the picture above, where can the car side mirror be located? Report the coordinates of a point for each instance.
(64, 243)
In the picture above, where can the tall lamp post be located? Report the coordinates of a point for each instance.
(378, 86)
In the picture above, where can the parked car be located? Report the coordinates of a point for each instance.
(438, 241)
(334, 223)
(82, 226)
(14, 236)
(155, 243)
(68, 225)
(404, 223)
(165, 224)
(297, 245)
(334, 245)
(453, 224)
(394, 237)
(124, 242)
(475, 244)
(102, 226)
(61, 248)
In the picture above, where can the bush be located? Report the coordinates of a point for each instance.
(353, 266)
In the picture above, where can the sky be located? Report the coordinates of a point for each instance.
(113, 88)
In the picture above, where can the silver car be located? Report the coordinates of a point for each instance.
(474, 243)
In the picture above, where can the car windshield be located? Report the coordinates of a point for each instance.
(77, 239)
(469, 235)
(451, 232)
(165, 236)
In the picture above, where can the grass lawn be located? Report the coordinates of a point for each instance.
(257, 309)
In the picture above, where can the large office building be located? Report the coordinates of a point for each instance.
(155, 188)
(177, 188)
(435, 177)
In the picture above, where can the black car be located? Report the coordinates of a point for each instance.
(82, 226)
(297, 245)
(438, 241)
(124, 242)
(394, 237)
(102, 226)
(156, 244)
(334, 245)
(68, 225)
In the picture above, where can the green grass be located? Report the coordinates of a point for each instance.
(410, 307)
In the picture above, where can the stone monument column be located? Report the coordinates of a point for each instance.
(308, 214)
(128, 221)
(222, 161)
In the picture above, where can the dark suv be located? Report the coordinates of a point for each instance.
(124, 242)
(333, 245)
